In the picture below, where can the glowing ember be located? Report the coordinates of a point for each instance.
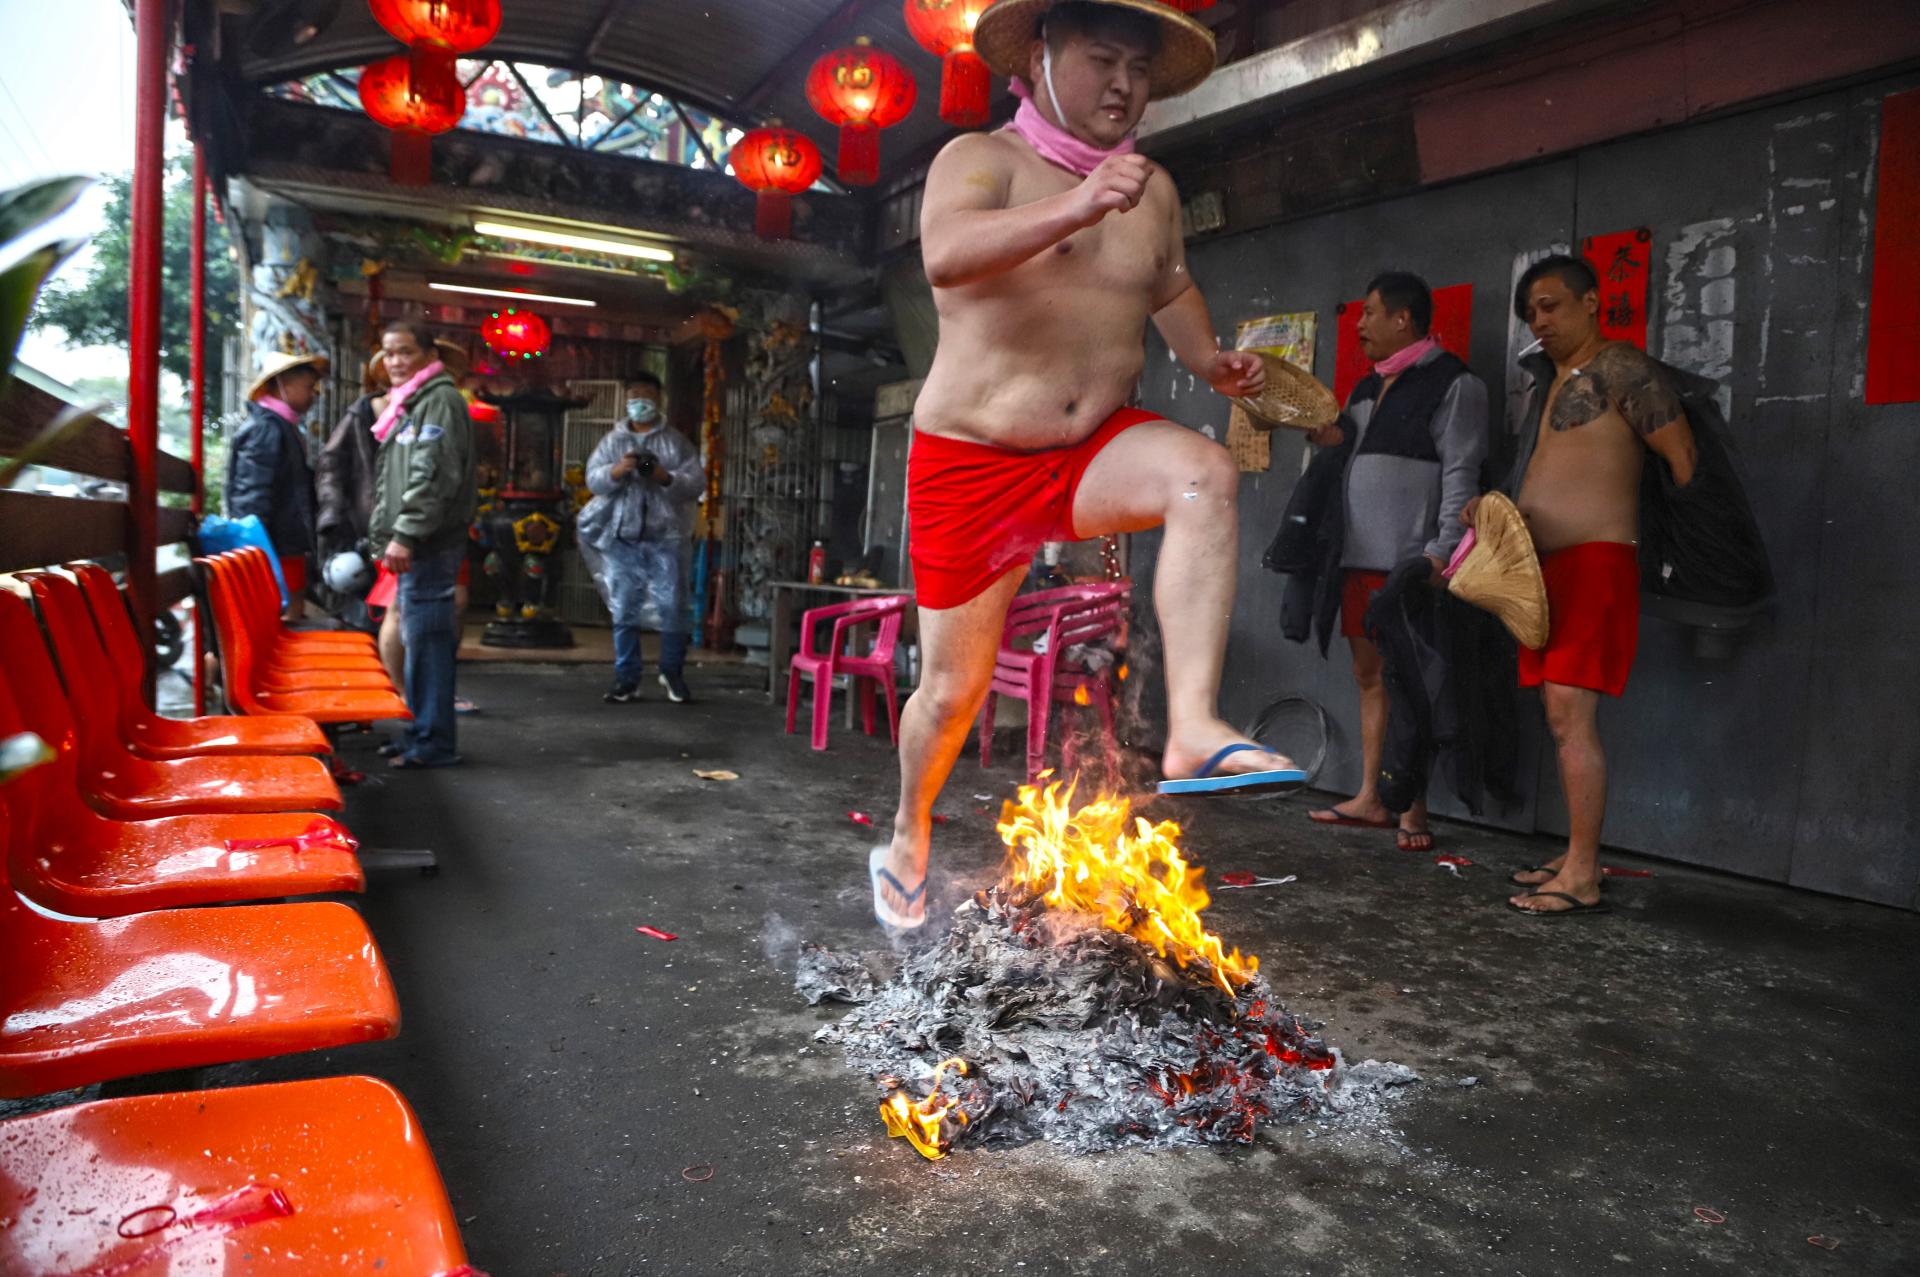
(1102, 860)
(922, 1122)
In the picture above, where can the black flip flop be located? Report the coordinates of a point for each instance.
(1541, 869)
(1576, 906)
(1400, 837)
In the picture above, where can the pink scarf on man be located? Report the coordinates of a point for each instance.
(279, 408)
(1394, 365)
(1053, 143)
(397, 399)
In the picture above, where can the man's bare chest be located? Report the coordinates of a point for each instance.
(1122, 251)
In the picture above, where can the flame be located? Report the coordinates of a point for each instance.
(920, 1122)
(1102, 860)
(1080, 696)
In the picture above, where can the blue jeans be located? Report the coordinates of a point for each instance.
(646, 588)
(432, 634)
(627, 665)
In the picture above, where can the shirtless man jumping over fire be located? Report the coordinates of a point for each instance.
(1049, 245)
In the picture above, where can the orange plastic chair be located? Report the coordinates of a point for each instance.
(1041, 673)
(123, 785)
(259, 597)
(285, 1180)
(69, 858)
(250, 697)
(156, 737)
(82, 1002)
(284, 667)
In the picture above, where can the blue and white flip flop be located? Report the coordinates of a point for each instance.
(1280, 780)
(878, 873)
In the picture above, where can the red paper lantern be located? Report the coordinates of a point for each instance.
(458, 26)
(863, 90)
(775, 163)
(516, 334)
(944, 28)
(416, 100)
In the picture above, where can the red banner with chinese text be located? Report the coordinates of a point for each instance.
(1623, 261)
(1452, 324)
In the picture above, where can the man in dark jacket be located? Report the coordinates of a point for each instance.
(343, 482)
(1419, 423)
(267, 470)
(423, 501)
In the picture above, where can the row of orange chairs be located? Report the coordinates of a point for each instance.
(104, 975)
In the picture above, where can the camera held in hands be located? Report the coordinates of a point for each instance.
(644, 464)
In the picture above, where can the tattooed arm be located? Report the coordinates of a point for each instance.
(1623, 378)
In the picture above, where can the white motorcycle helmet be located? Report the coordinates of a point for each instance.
(348, 572)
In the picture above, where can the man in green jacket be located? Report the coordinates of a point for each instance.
(423, 502)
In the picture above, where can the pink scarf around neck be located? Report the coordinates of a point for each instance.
(1053, 143)
(279, 408)
(397, 399)
(1394, 365)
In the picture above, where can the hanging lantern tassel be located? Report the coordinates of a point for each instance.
(944, 28)
(775, 163)
(965, 85)
(416, 97)
(862, 90)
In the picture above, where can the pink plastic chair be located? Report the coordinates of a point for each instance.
(1040, 672)
(823, 667)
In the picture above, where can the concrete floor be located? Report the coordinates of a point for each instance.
(1713, 1043)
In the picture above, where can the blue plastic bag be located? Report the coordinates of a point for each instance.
(218, 534)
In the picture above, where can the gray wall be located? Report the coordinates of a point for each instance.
(1797, 758)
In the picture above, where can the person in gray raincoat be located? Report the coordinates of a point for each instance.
(645, 477)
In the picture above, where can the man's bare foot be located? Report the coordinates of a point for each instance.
(1413, 834)
(1539, 875)
(1539, 901)
(899, 874)
(1185, 757)
(1361, 809)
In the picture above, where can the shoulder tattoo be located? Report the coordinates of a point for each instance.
(1618, 377)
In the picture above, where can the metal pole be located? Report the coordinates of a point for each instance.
(197, 374)
(143, 381)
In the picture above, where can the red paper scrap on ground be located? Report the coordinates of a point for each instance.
(1623, 261)
(1458, 862)
(941, 820)
(1613, 872)
(1707, 1214)
(859, 818)
(1893, 309)
(656, 933)
(1452, 324)
(1238, 878)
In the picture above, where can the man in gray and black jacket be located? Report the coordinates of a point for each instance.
(1418, 425)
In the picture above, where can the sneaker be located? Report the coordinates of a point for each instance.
(676, 686)
(622, 694)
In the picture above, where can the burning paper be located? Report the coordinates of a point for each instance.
(1083, 1001)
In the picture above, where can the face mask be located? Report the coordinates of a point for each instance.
(642, 411)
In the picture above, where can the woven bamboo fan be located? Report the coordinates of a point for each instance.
(1292, 398)
(1500, 572)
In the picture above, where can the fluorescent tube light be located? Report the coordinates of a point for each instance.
(511, 295)
(567, 239)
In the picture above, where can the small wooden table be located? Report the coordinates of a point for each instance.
(780, 627)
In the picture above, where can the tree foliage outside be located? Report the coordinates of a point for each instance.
(93, 312)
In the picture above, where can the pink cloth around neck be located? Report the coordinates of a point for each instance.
(1394, 365)
(397, 399)
(1460, 553)
(279, 408)
(1053, 143)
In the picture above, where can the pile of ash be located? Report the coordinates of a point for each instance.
(1081, 1036)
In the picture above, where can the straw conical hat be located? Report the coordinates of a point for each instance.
(1292, 397)
(1501, 573)
(280, 362)
(1005, 34)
